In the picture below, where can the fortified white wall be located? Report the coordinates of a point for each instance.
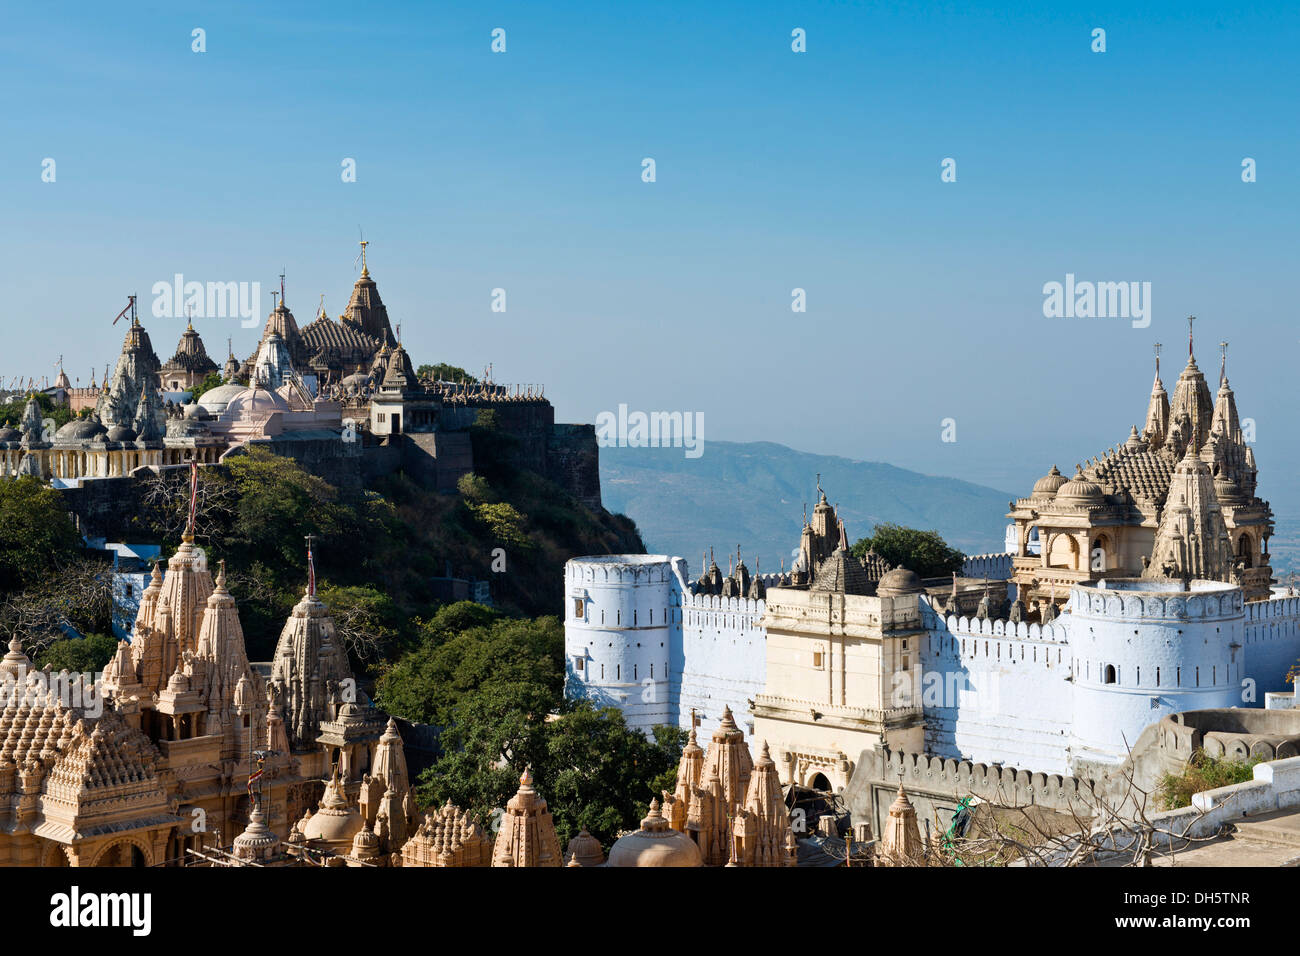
(996, 692)
(1271, 634)
(621, 615)
(724, 655)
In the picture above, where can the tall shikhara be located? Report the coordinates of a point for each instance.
(309, 663)
(167, 625)
(527, 836)
(233, 692)
(134, 378)
(733, 808)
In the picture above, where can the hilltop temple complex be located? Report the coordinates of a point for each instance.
(343, 398)
(1137, 589)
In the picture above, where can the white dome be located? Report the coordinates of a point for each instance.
(253, 403)
(216, 399)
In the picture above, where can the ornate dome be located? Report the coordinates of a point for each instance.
(10, 434)
(257, 842)
(898, 581)
(584, 850)
(655, 844)
(1049, 484)
(1080, 491)
(120, 433)
(337, 821)
(81, 429)
(842, 573)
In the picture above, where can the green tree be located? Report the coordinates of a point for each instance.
(211, 381)
(924, 552)
(367, 619)
(11, 412)
(79, 655)
(495, 733)
(593, 770)
(37, 535)
(601, 774)
(442, 372)
(429, 683)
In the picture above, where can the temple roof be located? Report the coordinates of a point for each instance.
(190, 355)
(1139, 471)
(324, 333)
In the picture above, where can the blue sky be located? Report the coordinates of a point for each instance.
(775, 170)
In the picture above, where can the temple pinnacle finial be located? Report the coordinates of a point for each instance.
(282, 305)
(1190, 356)
(1223, 362)
(364, 270)
(311, 567)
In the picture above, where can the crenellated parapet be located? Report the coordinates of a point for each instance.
(1152, 600)
(935, 783)
(1274, 609)
(995, 566)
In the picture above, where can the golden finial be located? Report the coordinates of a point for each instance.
(364, 270)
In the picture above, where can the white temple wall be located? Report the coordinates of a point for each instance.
(996, 692)
(724, 655)
(1271, 634)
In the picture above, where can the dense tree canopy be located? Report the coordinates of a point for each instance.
(78, 655)
(466, 650)
(924, 552)
(37, 535)
(442, 372)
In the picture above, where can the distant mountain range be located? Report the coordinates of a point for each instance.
(753, 493)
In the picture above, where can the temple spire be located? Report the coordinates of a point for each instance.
(1223, 363)
(1191, 358)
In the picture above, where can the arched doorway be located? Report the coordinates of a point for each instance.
(124, 854)
(1099, 555)
(819, 782)
(1246, 550)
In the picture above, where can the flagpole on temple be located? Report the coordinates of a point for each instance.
(194, 493)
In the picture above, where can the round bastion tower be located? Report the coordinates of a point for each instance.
(621, 614)
(1143, 649)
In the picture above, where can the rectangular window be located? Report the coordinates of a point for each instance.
(817, 659)
(577, 665)
(579, 607)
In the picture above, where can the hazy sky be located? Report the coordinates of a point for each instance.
(774, 170)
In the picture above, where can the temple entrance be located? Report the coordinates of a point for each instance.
(122, 854)
(819, 782)
(1246, 550)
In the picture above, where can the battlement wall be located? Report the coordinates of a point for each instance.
(935, 784)
(994, 690)
(995, 567)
